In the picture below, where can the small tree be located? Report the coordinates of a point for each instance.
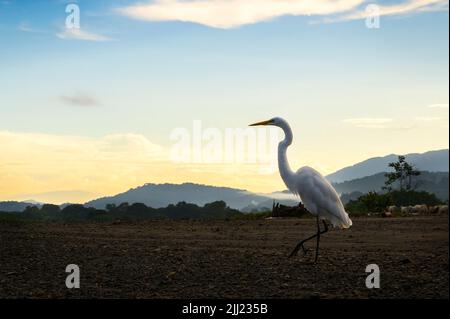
(409, 173)
(403, 173)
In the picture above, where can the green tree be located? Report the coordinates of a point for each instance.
(403, 174)
(409, 173)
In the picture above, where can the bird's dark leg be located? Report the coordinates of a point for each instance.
(297, 248)
(319, 232)
(317, 239)
(300, 244)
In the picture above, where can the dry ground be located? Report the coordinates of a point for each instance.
(224, 259)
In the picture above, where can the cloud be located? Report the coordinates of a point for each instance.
(369, 122)
(391, 124)
(406, 7)
(25, 27)
(80, 34)
(121, 145)
(438, 106)
(428, 118)
(226, 14)
(127, 145)
(80, 99)
(233, 13)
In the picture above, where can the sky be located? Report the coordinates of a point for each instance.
(96, 110)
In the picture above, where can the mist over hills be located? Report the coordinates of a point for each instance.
(432, 161)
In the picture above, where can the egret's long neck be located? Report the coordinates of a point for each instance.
(283, 165)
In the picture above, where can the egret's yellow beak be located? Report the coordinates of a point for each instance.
(268, 122)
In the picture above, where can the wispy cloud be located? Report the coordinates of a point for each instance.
(81, 34)
(80, 99)
(233, 13)
(403, 8)
(438, 106)
(428, 118)
(108, 147)
(403, 124)
(369, 122)
(26, 27)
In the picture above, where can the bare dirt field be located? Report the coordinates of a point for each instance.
(224, 259)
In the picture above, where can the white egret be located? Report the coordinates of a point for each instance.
(316, 193)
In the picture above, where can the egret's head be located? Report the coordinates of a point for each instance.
(281, 123)
(276, 121)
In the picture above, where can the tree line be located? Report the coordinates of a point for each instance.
(135, 211)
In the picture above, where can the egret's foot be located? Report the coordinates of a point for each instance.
(316, 259)
(305, 250)
(294, 252)
(296, 249)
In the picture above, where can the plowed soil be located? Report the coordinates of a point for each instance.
(224, 259)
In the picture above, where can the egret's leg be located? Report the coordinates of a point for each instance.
(300, 244)
(319, 232)
(318, 239)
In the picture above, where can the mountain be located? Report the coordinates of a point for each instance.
(432, 182)
(161, 195)
(433, 161)
(14, 206)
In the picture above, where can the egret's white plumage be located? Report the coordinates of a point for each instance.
(320, 198)
(316, 193)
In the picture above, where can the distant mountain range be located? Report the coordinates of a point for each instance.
(433, 161)
(350, 181)
(161, 195)
(14, 206)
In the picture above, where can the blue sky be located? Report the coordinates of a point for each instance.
(347, 90)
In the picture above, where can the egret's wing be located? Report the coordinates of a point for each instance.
(319, 195)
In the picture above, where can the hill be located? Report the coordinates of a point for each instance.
(432, 182)
(161, 195)
(14, 206)
(433, 161)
